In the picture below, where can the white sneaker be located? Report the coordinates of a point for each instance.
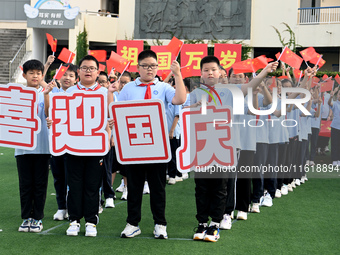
(241, 215)
(160, 232)
(185, 176)
(130, 231)
(109, 203)
(284, 190)
(232, 215)
(277, 193)
(73, 229)
(178, 179)
(307, 162)
(326, 149)
(25, 225)
(60, 215)
(100, 209)
(297, 182)
(146, 189)
(172, 181)
(302, 181)
(290, 188)
(293, 184)
(267, 201)
(125, 193)
(311, 163)
(91, 229)
(225, 222)
(121, 186)
(255, 208)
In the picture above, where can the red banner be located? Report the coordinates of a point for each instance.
(228, 54)
(191, 55)
(129, 49)
(165, 58)
(325, 128)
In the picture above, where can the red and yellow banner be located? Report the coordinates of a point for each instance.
(191, 55)
(228, 54)
(165, 58)
(129, 49)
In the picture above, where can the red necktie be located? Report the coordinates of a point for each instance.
(148, 89)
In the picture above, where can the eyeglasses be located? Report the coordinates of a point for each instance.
(149, 66)
(102, 82)
(91, 68)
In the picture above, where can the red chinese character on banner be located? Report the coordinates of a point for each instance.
(191, 55)
(79, 122)
(140, 137)
(228, 54)
(129, 49)
(165, 58)
(206, 142)
(19, 122)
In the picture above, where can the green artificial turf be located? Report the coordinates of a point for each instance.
(306, 221)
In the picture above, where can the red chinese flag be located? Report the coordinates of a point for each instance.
(327, 85)
(165, 74)
(191, 55)
(260, 62)
(174, 46)
(318, 60)
(337, 78)
(165, 58)
(308, 54)
(52, 42)
(66, 55)
(290, 58)
(325, 128)
(60, 72)
(109, 65)
(101, 67)
(129, 49)
(321, 62)
(270, 60)
(277, 55)
(324, 77)
(245, 66)
(297, 74)
(273, 85)
(118, 62)
(228, 54)
(186, 71)
(315, 81)
(100, 55)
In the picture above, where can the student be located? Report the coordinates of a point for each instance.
(147, 87)
(84, 173)
(33, 164)
(103, 79)
(211, 193)
(335, 127)
(58, 166)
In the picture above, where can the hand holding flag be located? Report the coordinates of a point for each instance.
(60, 72)
(290, 58)
(175, 46)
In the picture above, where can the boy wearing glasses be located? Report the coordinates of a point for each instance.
(149, 87)
(84, 173)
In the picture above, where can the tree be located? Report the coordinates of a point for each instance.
(82, 45)
(291, 43)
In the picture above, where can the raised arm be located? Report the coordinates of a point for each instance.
(180, 94)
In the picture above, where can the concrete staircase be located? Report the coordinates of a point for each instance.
(10, 42)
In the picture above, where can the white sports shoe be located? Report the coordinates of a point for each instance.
(121, 186)
(91, 229)
(25, 225)
(185, 176)
(242, 215)
(232, 215)
(297, 182)
(146, 189)
(225, 222)
(130, 231)
(160, 232)
(293, 184)
(178, 179)
(60, 215)
(125, 193)
(311, 163)
(73, 229)
(109, 203)
(255, 208)
(284, 190)
(267, 201)
(277, 193)
(290, 188)
(326, 149)
(100, 209)
(172, 181)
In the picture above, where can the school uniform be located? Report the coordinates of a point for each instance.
(155, 172)
(335, 132)
(32, 168)
(315, 124)
(84, 177)
(324, 140)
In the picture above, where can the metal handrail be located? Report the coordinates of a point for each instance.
(15, 58)
(319, 15)
(102, 14)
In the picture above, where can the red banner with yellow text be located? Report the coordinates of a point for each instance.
(228, 54)
(191, 55)
(129, 49)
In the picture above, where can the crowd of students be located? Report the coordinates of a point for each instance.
(78, 180)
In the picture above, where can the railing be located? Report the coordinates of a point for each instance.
(102, 14)
(16, 60)
(319, 15)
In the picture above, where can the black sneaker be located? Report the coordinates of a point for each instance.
(212, 234)
(200, 231)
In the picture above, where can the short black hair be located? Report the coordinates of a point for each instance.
(147, 54)
(72, 68)
(33, 64)
(187, 83)
(231, 70)
(287, 81)
(89, 57)
(209, 59)
(127, 74)
(103, 73)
